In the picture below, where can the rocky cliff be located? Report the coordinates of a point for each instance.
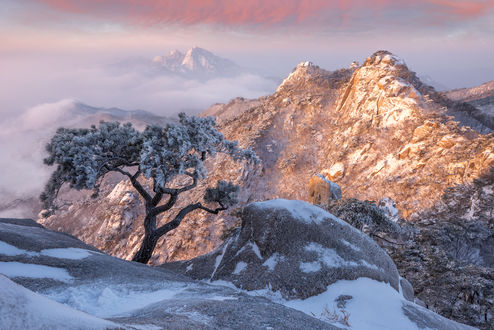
(375, 130)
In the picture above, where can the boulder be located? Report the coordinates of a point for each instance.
(295, 248)
(322, 191)
(318, 264)
(57, 282)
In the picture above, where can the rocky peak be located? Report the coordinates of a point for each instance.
(304, 71)
(384, 58)
(197, 62)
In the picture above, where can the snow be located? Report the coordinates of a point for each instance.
(327, 256)
(218, 259)
(256, 250)
(10, 250)
(375, 305)
(18, 269)
(253, 246)
(330, 258)
(61, 253)
(272, 261)
(350, 245)
(105, 300)
(67, 253)
(392, 59)
(299, 210)
(39, 312)
(239, 267)
(310, 267)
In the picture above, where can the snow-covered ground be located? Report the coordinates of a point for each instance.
(21, 308)
(77, 288)
(373, 305)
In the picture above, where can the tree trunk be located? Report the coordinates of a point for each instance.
(147, 248)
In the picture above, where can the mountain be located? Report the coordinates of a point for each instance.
(375, 129)
(481, 97)
(197, 63)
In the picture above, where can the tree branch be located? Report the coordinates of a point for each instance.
(165, 207)
(176, 221)
(181, 215)
(133, 179)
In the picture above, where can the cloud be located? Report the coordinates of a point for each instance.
(55, 86)
(272, 14)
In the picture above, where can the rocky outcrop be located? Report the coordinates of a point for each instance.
(448, 257)
(446, 251)
(281, 242)
(322, 191)
(302, 252)
(101, 292)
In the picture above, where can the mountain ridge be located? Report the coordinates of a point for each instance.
(402, 145)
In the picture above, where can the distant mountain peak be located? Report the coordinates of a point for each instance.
(197, 62)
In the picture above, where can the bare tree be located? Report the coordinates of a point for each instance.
(84, 156)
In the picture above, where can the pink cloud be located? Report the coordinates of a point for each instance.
(266, 14)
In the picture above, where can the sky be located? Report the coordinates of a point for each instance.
(58, 49)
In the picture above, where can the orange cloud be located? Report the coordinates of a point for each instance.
(272, 13)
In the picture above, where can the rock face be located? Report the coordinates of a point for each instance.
(300, 251)
(281, 242)
(101, 292)
(322, 191)
(448, 258)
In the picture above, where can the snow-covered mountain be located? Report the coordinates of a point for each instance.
(197, 63)
(374, 129)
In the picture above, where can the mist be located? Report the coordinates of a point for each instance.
(41, 93)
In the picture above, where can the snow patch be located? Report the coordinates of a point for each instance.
(239, 267)
(39, 312)
(67, 253)
(327, 256)
(310, 267)
(18, 269)
(299, 210)
(256, 250)
(350, 245)
(102, 300)
(217, 262)
(11, 251)
(272, 261)
(374, 305)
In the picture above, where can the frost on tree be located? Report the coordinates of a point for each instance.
(84, 156)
